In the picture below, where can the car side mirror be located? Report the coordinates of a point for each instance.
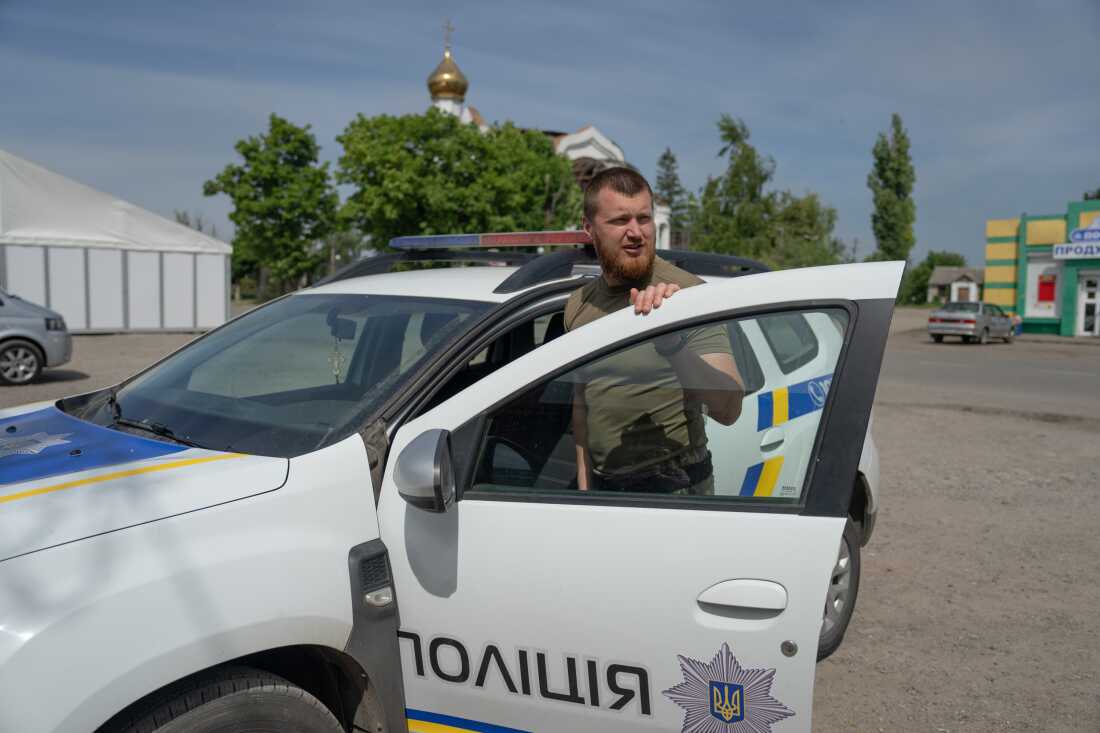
(424, 473)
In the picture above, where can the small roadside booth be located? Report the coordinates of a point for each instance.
(105, 264)
(1046, 269)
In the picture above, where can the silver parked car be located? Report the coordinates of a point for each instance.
(974, 322)
(31, 338)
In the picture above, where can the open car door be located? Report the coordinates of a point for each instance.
(528, 605)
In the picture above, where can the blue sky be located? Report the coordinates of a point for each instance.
(146, 99)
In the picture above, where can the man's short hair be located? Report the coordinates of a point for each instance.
(626, 181)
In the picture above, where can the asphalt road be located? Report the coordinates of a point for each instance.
(979, 603)
(1050, 378)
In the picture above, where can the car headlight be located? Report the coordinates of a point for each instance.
(55, 324)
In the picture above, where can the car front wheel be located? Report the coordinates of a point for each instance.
(843, 588)
(230, 700)
(20, 362)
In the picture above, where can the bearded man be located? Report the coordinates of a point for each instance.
(638, 415)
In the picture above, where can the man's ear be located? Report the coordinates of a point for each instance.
(586, 225)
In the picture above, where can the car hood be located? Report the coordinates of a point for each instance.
(26, 309)
(63, 479)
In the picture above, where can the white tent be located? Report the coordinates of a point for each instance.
(105, 264)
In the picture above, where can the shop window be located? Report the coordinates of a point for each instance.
(1046, 288)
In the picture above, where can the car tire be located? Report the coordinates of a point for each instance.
(840, 600)
(983, 339)
(938, 338)
(228, 700)
(967, 339)
(21, 362)
(1010, 337)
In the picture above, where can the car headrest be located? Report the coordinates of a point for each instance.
(555, 328)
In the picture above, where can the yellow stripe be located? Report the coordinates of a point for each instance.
(1046, 231)
(1085, 218)
(1000, 274)
(769, 476)
(1002, 227)
(779, 406)
(1003, 251)
(1001, 296)
(423, 726)
(116, 475)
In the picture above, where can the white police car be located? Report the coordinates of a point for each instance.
(352, 509)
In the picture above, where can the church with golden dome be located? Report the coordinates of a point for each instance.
(589, 149)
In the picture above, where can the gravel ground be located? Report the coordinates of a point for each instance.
(979, 602)
(979, 598)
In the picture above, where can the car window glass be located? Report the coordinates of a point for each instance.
(649, 429)
(791, 339)
(295, 375)
(301, 353)
(512, 344)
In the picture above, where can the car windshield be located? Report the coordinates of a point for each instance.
(291, 377)
(961, 307)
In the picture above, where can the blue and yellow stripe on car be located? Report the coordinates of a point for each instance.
(761, 478)
(788, 403)
(421, 721)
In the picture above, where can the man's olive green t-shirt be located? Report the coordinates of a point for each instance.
(638, 414)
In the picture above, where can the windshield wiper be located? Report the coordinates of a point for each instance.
(112, 402)
(155, 428)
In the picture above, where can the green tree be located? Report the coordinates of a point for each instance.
(433, 174)
(891, 182)
(736, 214)
(1092, 195)
(344, 246)
(284, 204)
(671, 193)
(914, 286)
(196, 222)
(733, 212)
(803, 228)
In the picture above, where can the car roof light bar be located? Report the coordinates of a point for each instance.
(505, 239)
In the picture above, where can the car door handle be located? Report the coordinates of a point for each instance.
(744, 598)
(772, 439)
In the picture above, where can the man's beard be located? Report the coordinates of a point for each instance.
(624, 268)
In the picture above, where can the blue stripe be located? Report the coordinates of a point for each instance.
(802, 399)
(472, 725)
(752, 477)
(764, 410)
(80, 446)
(436, 241)
(809, 396)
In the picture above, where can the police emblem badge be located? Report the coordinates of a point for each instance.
(30, 445)
(724, 697)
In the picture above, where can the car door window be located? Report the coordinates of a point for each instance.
(791, 339)
(650, 427)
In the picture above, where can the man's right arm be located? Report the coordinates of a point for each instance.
(580, 438)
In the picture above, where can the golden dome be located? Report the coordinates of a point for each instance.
(448, 81)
